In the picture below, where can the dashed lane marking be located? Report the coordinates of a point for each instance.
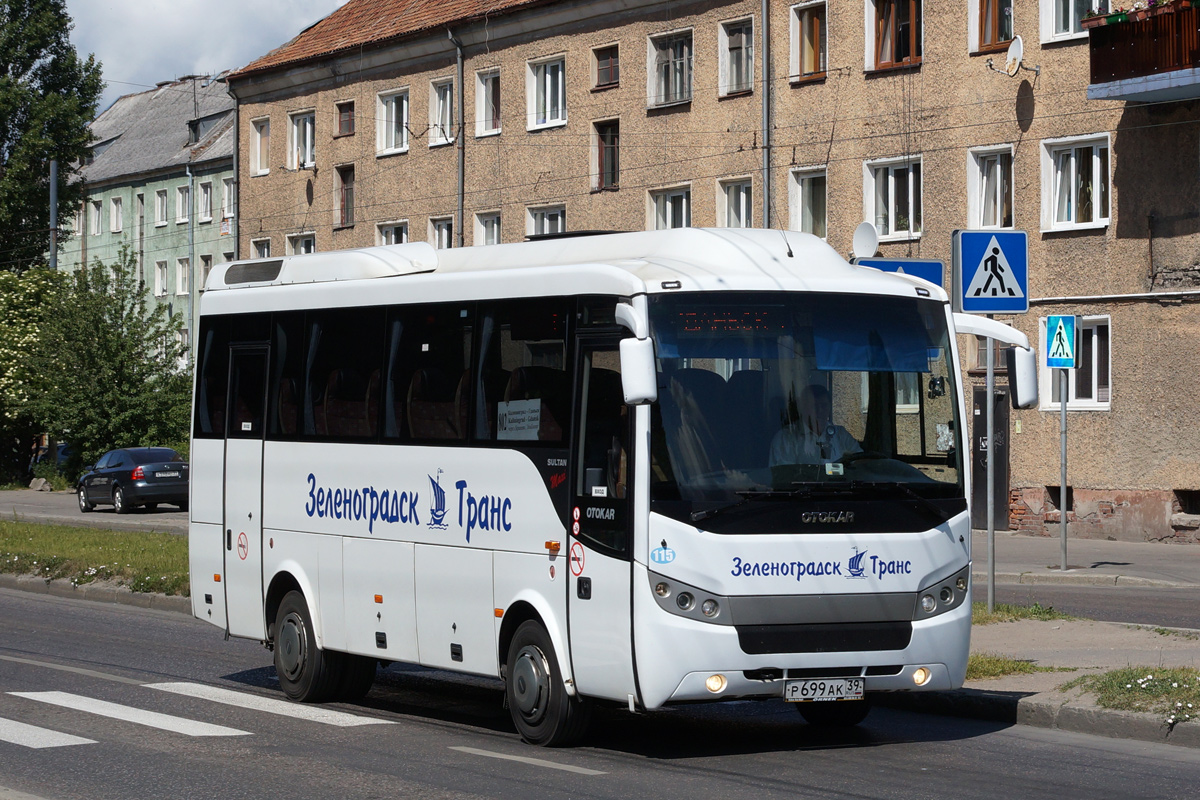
(537, 762)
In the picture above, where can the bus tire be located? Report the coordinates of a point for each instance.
(541, 709)
(836, 714)
(306, 672)
(358, 676)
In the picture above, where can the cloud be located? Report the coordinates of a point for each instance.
(142, 42)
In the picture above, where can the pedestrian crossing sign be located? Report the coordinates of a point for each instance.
(991, 272)
(1062, 348)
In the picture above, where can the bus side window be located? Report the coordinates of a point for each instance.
(524, 390)
(287, 375)
(427, 386)
(213, 376)
(343, 362)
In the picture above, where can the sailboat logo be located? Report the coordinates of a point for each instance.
(854, 566)
(437, 512)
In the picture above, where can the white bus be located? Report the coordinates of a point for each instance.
(643, 469)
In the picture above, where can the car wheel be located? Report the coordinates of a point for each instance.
(541, 709)
(835, 714)
(306, 672)
(183, 506)
(84, 505)
(119, 504)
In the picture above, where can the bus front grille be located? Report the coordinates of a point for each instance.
(824, 637)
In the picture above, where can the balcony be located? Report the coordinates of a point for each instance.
(1152, 59)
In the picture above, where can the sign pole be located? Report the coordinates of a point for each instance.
(991, 484)
(1062, 475)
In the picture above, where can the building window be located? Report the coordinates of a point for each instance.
(808, 47)
(897, 33)
(392, 232)
(1061, 18)
(607, 61)
(345, 196)
(990, 194)
(1075, 178)
(441, 112)
(94, 211)
(608, 154)
(183, 203)
(892, 198)
(303, 141)
(345, 115)
(487, 103)
(116, 219)
(226, 257)
(206, 202)
(227, 198)
(160, 279)
(261, 248)
(302, 244)
(544, 221)
(547, 94)
(1089, 386)
(995, 23)
(441, 232)
(160, 207)
(260, 146)
(737, 57)
(808, 193)
(487, 228)
(672, 208)
(206, 263)
(183, 274)
(670, 72)
(735, 201)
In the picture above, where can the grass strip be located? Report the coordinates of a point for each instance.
(981, 666)
(1005, 612)
(1171, 692)
(145, 562)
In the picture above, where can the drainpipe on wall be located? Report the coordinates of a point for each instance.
(191, 253)
(766, 113)
(458, 220)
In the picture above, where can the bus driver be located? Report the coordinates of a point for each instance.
(813, 438)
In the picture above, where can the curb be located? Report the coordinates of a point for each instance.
(119, 595)
(1081, 579)
(1045, 710)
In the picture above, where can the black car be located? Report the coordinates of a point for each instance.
(135, 476)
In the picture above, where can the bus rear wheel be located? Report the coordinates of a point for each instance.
(542, 711)
(839, 714)
(306, 672)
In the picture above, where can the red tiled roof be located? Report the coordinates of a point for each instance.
(370, 22)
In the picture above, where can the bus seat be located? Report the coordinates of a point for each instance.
(431, 405)
(552, 388)
(749, 440)
(346, 404)
(495, 381)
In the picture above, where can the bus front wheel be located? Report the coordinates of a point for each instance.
(306, 672)
(839, 714)
(537, 698)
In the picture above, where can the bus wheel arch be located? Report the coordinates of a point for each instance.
(281, 584)
(542, 710)
(526, 608)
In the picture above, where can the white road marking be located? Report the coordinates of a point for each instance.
(15, 732)
(151, 719)
(267, 704)
(537, 762)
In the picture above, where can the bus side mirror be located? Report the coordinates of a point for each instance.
(639, 377)
(1022, 376)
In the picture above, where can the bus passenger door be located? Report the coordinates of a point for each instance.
(599, 600)
(243, 491)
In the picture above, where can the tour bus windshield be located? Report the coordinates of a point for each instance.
(829, 401)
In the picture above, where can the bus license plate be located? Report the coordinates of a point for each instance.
(823, 689)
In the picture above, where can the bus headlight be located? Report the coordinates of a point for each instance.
(693, 602)
(716, 683)
(921, 676)
(928, 604)
(685, 601)
(710, 608)
(662, 589)
(945, 595)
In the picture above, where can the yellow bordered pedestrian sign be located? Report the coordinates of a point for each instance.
(1062, 346)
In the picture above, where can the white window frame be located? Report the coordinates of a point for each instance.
(299, 244)
(160, 208)
(227, 198)
(183, 204)
(672, 95)
(893, 165)
(735, 199)
(546, 95)
(260, 157)
(183, 274)
(796, 42)
(487, 100)
(663, 210)
(385, 232)
(95, 210)
(541, 220)
(160, 278)
(302, 139)
(797, 199)
(487, 228)
(441, 232)
(441, 112)
(205, 213)
(389, 106)
(1051, 26)
(116, 215)
(261, 247)
(726, 58)
(1048, 377)
(1050, 150)
(975, 26)
(869, 63)
(978, 161)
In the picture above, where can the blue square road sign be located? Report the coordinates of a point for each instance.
(991, 272)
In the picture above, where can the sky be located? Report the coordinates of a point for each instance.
(142, 42)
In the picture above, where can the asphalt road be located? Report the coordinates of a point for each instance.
(1140, 605)
(433, 735)
(61, 508)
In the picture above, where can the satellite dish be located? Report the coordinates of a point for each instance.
(866, 240)
(1012, 59)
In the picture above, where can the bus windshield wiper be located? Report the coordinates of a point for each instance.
(924, 502)
(745, 495)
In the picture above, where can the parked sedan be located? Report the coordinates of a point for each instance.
(135, 476)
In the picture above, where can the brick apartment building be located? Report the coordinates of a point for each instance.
(622, 115)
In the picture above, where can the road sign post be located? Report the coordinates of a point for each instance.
(1062, 353)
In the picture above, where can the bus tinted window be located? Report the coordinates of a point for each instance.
(286, 390)
(427, 391)
(343, 363)
(212, 375)
(523, 379)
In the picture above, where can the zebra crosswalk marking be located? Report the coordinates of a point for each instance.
(150, 719)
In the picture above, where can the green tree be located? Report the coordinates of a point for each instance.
(48, 96)
(106, 370)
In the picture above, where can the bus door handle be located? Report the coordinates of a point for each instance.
(584, 589)
(228, 538)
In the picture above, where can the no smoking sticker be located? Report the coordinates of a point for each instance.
(577, 559)
(243, 546)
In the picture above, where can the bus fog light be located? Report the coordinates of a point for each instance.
(716, 683)
(921, 676)
(947, 594)
(710, 608)
(961, 584)
(928, 604)
(662, 589)
(685, 601)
